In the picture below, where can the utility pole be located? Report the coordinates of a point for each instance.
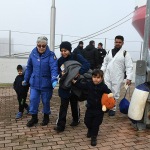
(9, 43)
(52, 26)
(61, 38)
(105, 44)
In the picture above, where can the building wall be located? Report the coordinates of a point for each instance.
(8, 70)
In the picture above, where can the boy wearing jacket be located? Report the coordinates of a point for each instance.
(94, 114)
(21, 91)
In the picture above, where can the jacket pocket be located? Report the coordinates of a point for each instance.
(34, 81)
(46, 82)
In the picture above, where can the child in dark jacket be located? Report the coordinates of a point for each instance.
(21, 91)
(94, 114)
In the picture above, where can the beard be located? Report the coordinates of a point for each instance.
(117, 48)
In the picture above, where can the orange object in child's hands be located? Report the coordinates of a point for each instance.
(108, 102)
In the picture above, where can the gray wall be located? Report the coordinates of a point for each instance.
(8, 70)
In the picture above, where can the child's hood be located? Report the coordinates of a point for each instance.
(23, 69)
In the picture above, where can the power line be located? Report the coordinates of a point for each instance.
(105, 31)
(104, 28)
(89, 37)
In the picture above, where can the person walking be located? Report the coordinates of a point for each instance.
(79, 49)
(66, 95)
(116, 62)
(94, 114)
(90, 53)
(21, 91)
(101, 54)
(41, 73)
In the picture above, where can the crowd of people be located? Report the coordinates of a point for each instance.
(43, 71)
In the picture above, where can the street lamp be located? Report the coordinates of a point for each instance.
(52, 26)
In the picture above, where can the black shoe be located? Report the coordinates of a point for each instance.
(73, 123)
(111, 113)
(33, 121)
(93, 141)
(45, 120)
(58, 129)
(88, 134)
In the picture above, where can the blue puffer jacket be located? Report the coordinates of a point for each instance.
(42, 70)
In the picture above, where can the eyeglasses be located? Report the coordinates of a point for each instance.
(41, 46)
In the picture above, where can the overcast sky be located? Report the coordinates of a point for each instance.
(73, 17)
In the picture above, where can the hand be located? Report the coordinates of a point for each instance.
(128, 82)
(62, 73)
(54, 84)
(74, 81)
(24, 83)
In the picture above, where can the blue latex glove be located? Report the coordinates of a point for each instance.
(54, 84)
(24, 83)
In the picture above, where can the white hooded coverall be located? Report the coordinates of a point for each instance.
(114, 68)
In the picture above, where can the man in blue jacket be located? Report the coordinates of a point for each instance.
(67, 95)
(41, 73)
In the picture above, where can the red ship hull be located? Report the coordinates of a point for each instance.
(138, 20)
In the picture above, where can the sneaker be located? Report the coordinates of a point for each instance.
(73, 123)
(93, 141)
(19, 115)
(111, 113)
(58, 129)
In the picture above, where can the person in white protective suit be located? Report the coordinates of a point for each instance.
(116, 63)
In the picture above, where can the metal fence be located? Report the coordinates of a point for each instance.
(20, 44)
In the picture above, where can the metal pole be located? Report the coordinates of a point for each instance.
(105, 44)
(52, 26)
(9, 43)
(141, 50)
(146, 32)
(61, 38)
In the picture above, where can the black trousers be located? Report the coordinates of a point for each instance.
(22, 101)
(93, 119)
(63, 110)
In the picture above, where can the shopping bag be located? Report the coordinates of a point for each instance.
(124, 104)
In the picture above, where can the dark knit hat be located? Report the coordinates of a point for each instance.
(81, 42)
(66, 45)
(91, 42)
